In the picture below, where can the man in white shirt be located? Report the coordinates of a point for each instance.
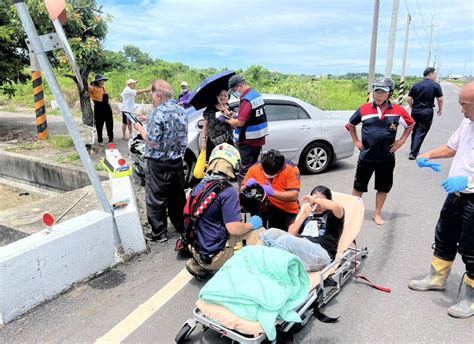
(455, 228)
(128, 105)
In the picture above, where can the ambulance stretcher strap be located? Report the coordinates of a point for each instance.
(375, 286)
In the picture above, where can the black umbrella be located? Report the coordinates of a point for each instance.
(205, 94)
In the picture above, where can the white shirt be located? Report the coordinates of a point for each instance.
(462, 141)
(128, 99)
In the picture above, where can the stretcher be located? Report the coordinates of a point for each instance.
(325, 285)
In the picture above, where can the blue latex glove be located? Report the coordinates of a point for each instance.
(251, 182)
(455, 184)
(222, 119)
(423, 162)
(256, 222)
(268, 189)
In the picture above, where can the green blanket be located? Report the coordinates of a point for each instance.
(260, 283)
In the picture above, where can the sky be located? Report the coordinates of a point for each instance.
(298, 36)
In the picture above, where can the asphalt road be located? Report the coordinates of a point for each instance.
(398, 252)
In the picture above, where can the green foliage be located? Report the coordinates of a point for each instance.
(133, 54)
(72, 157)
(12, 59)
(61, 142)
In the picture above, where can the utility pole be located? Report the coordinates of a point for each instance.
(373, 48)
(391, 40)
(401, 94)
(429, 47)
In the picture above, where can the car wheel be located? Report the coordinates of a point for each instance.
(316, 158)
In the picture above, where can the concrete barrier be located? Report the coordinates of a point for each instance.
(40, 173)
(127, 218)
(40, 266)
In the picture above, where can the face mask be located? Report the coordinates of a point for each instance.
(270, 177)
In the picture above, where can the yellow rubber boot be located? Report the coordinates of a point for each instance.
(465, 308)
(436, 279)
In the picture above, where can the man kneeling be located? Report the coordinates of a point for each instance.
(216, 219)
(315, 234)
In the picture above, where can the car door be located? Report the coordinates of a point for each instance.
(289, 126)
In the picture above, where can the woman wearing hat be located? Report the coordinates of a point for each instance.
(128, 105)
(102, 109)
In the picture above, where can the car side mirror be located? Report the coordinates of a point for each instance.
(200, 123)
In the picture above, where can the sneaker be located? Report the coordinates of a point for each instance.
(111, 140)
(150, 237)
(411, 157)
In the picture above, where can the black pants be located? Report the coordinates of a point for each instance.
(103, 114)
(248, 156)
(274, 217)
(423, 119)
(455, 230)
(165, 192)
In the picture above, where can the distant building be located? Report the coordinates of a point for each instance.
(456, 77)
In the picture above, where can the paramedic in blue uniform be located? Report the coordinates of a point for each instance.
(380, 120)
(166, 137)
(421, 100)
(250, 125)
(455, 228)
(220, 230)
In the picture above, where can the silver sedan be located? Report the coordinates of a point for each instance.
(313, 138)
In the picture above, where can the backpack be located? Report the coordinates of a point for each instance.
(196, 206)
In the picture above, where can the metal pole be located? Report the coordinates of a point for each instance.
(373, 48)
(391, 40)
(404, 63)
(429, 47)
(43, 61)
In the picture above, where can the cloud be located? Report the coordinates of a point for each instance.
(300, 36)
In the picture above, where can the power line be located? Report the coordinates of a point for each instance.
(414, 29)
(422, 18)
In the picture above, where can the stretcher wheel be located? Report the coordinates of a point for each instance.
(183, 333)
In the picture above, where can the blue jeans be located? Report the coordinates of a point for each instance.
(313, 255)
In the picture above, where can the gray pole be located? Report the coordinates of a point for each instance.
(429, 47)
(42, 58)
(391, 40)
(404, 63)
(373, 48)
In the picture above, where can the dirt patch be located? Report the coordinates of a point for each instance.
(15, 136)
(12, 197)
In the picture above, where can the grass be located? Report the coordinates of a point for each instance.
(60, 142)
(69, 158)
(25, 146)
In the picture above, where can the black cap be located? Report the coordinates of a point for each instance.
(234, 81)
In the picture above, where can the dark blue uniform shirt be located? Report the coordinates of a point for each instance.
(424, 94)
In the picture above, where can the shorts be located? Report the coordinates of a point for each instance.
(125, 119)
(383, 175)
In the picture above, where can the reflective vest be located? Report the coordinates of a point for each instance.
(256, 127)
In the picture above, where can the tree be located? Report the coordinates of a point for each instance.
(86, 28)
(134, 55)
(12, 60)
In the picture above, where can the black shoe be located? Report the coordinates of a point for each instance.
(412, 157)
(200, 275)
(163, 237)
(111, 140)
(100, 140)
